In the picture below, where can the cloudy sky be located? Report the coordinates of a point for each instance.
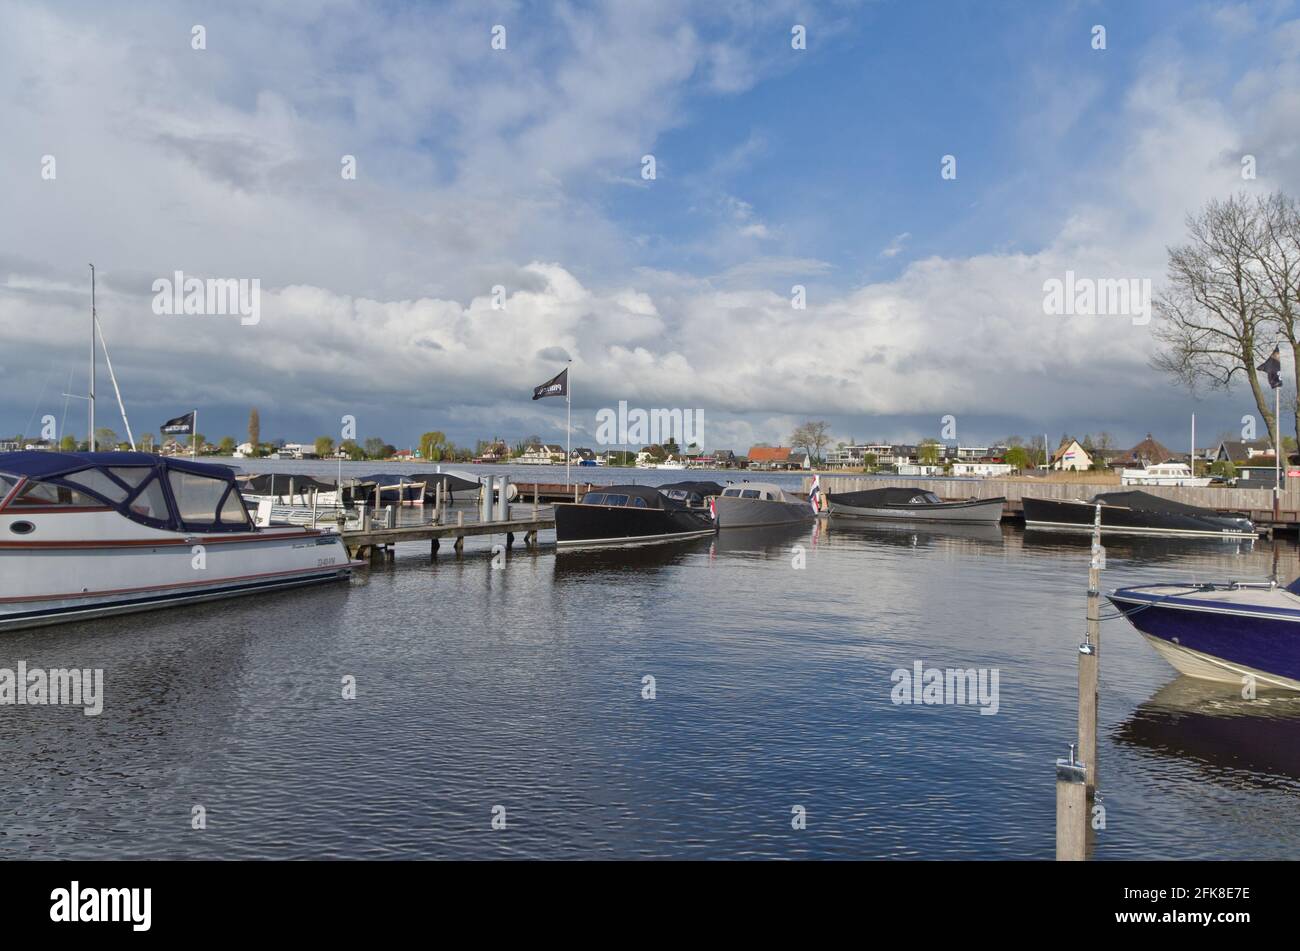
(524, 168)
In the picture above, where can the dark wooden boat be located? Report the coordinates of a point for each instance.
(1135, 513)
(628, 515)
(917, 505)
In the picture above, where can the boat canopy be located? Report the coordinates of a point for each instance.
(631, 496)
(158, 491)
(690, 491)
(1146, 502)
(889, 495)
(281, 483)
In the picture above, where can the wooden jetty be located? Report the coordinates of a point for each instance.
(376, 543)
(1257, 504)
(547, 492)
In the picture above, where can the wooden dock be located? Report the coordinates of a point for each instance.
(377, 543)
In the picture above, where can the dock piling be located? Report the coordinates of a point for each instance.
(1071, 810)
(1090, 660)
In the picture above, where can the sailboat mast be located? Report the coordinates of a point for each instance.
(93, 320)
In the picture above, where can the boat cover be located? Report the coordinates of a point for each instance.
(61, 468)
(1146, 502)
(278, 483)
(649, 494)
(699, 488)
(890, 495)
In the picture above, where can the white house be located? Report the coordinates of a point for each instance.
(982, 469)
(542, 455)
(1070, 456)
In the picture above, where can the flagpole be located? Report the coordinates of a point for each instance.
(194, 436)
(91, 441)
(1277, 454)
(568, 421)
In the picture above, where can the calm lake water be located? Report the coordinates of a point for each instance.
(522, 687)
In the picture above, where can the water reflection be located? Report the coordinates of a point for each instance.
(917, 534)
(1146, 548)
(1235, 741)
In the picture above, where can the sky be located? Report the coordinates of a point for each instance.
(501, 221)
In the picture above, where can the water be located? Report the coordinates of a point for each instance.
(522, 688)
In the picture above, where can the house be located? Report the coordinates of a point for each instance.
(581, 455)
(1240, 452)
(724, 458)
(1146, 453)
(916, 469)
(9, 446)
(981, 470)
(1070, 456)
(536, 455)
(775, 457)
(495, 452)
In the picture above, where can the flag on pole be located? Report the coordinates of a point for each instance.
(713, 509)
(1273, 367)
(180, 426)
(556, 386)
(816, 491)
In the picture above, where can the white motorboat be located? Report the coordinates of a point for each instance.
(751, 504)
(84, 535)
(1165, 473)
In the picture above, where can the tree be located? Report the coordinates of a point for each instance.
(1016, 456)
(324, 446)
(68, 443)
(928, 452)
(254, 428)
(375, 448)
(1214, 315)
(227, 446)
(812, 437)
(869, 461)
(105, 438)
(432, 445)
(353, 451)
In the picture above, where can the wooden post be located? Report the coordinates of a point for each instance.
(434, 545)
(460, 543)
(1090, 661)
(530, 540)
(460, 518)
(534, 501)
(510, 540)
(1071, 810)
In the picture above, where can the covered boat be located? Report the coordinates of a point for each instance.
(84, 535)
(753, 504)
(628, 515)
(1224, 632)
(895, 502)
(1135, 513)
(694, 494)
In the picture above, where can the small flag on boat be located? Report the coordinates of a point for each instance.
(816, 491)
(1273, 367)
(180, 426)
(713, 509)
(556, 386)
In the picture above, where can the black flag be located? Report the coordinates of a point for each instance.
(556, 386)
(1273, 367)
(180, 426)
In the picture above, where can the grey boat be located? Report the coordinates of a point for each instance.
(754, 504)
(913, 505)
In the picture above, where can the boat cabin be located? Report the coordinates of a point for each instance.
(754, 490)
(694, 494)
(626, 496)
(156, 491)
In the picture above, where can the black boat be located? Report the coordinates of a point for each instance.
(629, 515)
(914, 505)
(1135, 513)
(694, 494)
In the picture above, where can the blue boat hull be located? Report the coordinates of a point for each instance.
(1217, 639)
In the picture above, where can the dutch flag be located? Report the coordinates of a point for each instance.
(815, 492)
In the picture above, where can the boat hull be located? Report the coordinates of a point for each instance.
(70, 582)
(735, 512)
(1077, 516)
(1218, 640)
(974, 510)
(579, 525)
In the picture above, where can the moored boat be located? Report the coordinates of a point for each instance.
(1135, 513)
(628, 515)
(1225, 632)
(753, 504)
(894, 502)
(84, 535)
(1164, 473)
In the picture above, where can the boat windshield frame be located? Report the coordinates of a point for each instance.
(60, 470)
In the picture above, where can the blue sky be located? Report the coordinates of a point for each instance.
(520, 168)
